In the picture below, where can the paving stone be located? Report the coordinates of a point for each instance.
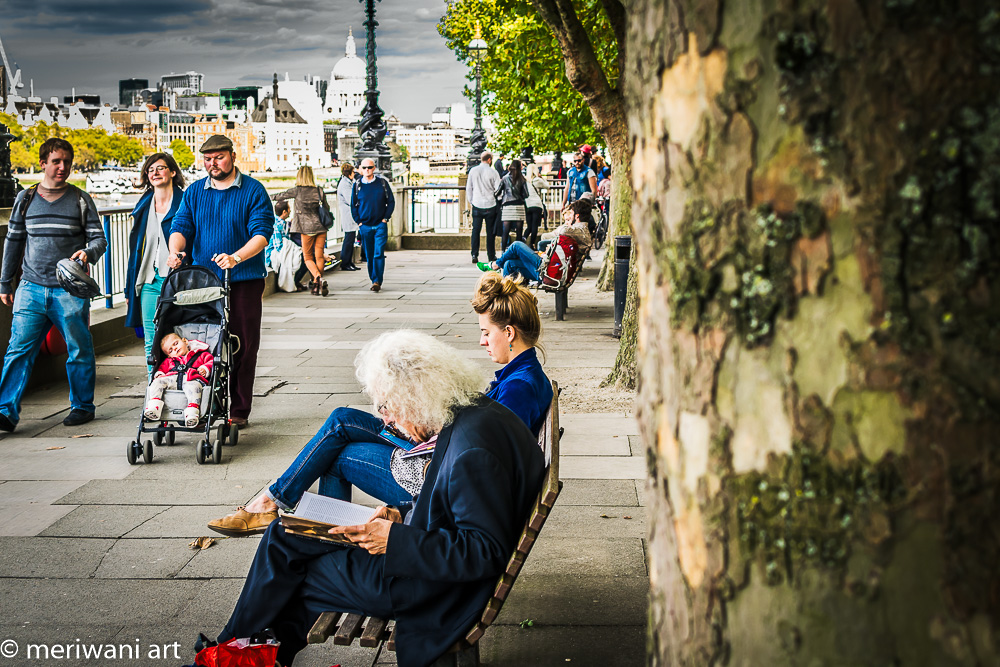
(145, 559)
(162, 492)
(602, 467)
(229, 557)
(582, 599)
(545, 646)
(26, 519)
(102, 520)
(94, 602)
(576, 443)
(575, 520)
(183, 522)
(598, 492)
(51, 557)
(614, 557)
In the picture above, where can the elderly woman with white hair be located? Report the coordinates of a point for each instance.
(431, 563)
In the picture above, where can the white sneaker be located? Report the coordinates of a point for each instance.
(153, 409)
(191, 415)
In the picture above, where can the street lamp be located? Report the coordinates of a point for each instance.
(477, 48)
(8, 184)
(371, 127)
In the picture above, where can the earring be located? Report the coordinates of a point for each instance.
(511, 346)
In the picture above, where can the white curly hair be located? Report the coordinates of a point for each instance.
(418, 378)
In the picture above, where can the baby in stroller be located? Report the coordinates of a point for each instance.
(189, 364)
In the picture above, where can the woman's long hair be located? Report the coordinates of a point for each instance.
(178, 179)
(305, 178)
(514, 171)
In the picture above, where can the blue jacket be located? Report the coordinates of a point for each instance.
(137, 245)
(371, 203)
(223, 221)
(443, 561)
(522, 387)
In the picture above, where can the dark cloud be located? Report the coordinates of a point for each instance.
(91, 44)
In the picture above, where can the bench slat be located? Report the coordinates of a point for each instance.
(349, 629)
(373, 632)
(323, 626)
(390, 644)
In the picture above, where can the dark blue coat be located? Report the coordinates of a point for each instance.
(522, 386)
(443, 562)
(136, 246)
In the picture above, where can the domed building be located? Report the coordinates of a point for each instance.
(345, 95)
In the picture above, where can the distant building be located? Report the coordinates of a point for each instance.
(176, 125)
(198, 103)
(345, 94)
(89, 99)
(286, 138)
(241, 133)
(128, 88)
(237, 97)
(188, 83)
(438, 143)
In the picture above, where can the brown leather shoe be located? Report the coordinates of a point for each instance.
(242, 422)
(241, 523)
(376, 287)
(324, 289)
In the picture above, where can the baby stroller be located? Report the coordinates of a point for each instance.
(193, 305)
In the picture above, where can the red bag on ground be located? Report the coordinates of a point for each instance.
(236, 653)
(53, 344)
(560, 262)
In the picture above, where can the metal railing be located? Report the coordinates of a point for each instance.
(434, 208)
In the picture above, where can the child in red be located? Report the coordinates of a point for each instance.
(193, 359)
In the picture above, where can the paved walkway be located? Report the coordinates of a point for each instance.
(95, 551)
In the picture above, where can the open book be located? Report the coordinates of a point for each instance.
(316, 515)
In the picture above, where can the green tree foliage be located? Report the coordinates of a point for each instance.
(91, 147)
(182, 153)
(525, 89)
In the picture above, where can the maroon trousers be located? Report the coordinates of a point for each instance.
(245, 310)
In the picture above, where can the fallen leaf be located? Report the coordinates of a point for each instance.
(201, 543)
(526, 623)
(626, 517)
(117, 355)
(82, 435)
(117, 378)
(50, 448)
(605, 516)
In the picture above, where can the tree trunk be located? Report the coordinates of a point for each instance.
(621, 198)
(816, 192)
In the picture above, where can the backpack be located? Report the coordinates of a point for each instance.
(381, 179)
(30, 193)
(559, 264)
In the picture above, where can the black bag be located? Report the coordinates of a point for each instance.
(325, 216)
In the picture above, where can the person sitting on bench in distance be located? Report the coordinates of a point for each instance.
(350, 449)
(433, 563)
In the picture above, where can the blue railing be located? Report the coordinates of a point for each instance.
(112, 267)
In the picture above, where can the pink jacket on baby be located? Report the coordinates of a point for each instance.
(202, 357)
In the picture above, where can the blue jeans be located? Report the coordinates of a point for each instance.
(346, 450)
(35, 308)
(519, 258)
(373, 239)
(148, 296)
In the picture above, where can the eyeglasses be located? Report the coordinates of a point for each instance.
(382, 410)
(157, 169)
(372, 167)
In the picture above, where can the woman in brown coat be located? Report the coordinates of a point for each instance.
(308, 198)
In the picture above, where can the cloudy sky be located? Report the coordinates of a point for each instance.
(91, 44)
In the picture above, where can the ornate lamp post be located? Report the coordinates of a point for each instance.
(8, 184)
(477, 47)
(371, 127)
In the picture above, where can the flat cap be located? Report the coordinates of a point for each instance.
(216, 142)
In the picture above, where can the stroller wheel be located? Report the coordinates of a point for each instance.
(169, 438)
(234, 435)
(217, 451)
(202, 451)
(132, 452)
(158, 438)
(147, 452)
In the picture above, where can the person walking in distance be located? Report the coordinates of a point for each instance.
(309, 198)
(579, 179)
(49, 222)
(372, 203)
(225, 221)
(347, 223)
(512, 192)
(480, 192)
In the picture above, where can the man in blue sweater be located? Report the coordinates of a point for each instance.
(372, 204)
(49, 222)
(226, 221)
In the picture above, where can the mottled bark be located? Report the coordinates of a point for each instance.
(624, 375)
(816, 192)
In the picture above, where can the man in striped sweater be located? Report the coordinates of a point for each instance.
(225, 221)
(59, 221)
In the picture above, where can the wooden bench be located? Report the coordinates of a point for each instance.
(371, 632)
(562, 293)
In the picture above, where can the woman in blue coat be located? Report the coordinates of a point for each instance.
(147, 242)
(349, 450)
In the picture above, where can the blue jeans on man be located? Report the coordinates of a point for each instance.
(35, 309)
(346, 450)
(519, 258)
(373, 238)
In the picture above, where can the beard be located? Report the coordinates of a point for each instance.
(221, 175)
